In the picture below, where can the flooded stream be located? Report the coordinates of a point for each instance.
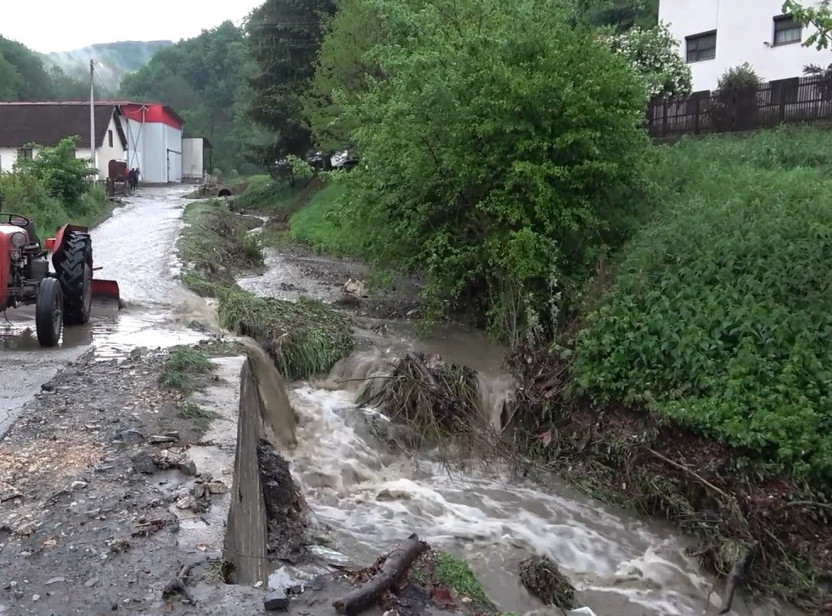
(371, 497)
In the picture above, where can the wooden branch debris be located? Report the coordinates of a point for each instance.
(733, 580)
(391, 572)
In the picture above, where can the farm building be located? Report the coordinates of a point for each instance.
(196, 158)
(154, 141)
(24, 126)
(145, 136)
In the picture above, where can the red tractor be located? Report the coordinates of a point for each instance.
(61, 297)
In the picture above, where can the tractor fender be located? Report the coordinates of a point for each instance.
(56, 245)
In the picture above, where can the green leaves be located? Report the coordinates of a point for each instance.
(720, 315)
(493, 149)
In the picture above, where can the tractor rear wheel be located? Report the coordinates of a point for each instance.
(75, 274)
(49, 318)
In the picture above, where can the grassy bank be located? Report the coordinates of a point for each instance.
(304, 338)
(698, 388)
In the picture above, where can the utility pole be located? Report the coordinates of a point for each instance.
(92, 113)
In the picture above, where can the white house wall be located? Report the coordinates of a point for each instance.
(8, 157)
(107, 153)
(193, 154)
(173, 153)
(135, 144)
(744, 33)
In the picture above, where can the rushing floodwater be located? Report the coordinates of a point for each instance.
(372, 497)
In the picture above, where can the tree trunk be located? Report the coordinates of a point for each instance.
(390, 573)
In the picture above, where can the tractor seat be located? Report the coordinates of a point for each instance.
(29, 228)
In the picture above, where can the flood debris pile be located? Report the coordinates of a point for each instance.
(215, 246)
(542, 578)
(285, 506)
(438, 399)
(414, 579)
(304, 338)
(767, 532)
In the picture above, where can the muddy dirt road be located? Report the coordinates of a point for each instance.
(135, 246)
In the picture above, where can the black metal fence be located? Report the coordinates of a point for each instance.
(801, 99)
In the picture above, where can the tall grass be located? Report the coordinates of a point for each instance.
(322, 226)
(720, 315)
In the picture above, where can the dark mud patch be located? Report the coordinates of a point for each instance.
(285, 506)
(636, 459)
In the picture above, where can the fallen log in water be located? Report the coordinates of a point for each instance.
(391, 572)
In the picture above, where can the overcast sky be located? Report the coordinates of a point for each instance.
(65, 25)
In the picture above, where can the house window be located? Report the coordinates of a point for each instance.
(110, 137)
(701, 46)
(25, 154)
(787, 30)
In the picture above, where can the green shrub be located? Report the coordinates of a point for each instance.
(494, 154)
(719, 316)
(66, 177)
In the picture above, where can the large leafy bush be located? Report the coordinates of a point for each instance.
(494, 150)
(721, 314)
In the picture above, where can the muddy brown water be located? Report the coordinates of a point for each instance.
(370, 497)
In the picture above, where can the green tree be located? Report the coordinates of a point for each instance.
(343, 71)
(819, 16)
(66, 177)
(494, 153)
(284, 36)
(9, 80)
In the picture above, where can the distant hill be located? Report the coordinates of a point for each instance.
(117, 59)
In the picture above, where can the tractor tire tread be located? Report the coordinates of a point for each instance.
(71, 276)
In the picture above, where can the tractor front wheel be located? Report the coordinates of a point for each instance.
(75, 274)
(49, 309)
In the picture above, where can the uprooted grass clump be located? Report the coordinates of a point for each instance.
(648, 462)
(542, 578)
(304, 338)
(216, 245)
(184, 369)
(438, 399)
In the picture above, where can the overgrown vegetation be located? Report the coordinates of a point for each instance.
(718, 317)
(322, 225)
(305, 338)
(487, 180)
(184, 369)
(53, 188)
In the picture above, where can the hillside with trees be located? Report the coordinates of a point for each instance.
(113, 60)
(24, 76)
